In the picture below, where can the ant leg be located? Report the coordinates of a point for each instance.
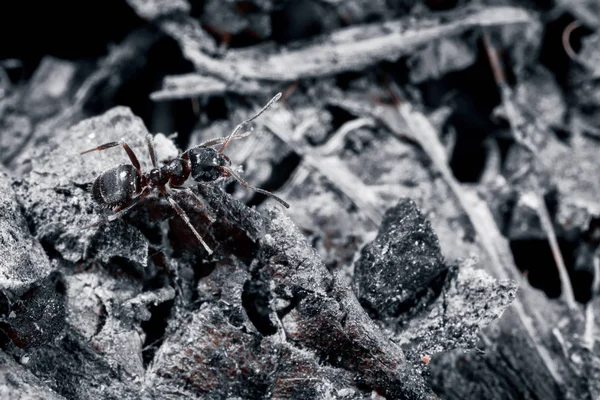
(130, 153)
(185, 218)
(198, 201)
(221, 140)
(247, 186)
(151, 149)
(121, 212)
(252, 118)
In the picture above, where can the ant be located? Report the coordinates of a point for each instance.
(124, 186)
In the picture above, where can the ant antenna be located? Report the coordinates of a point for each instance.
(151, 149)
(240, 125)
(221, 140)
(247, 186)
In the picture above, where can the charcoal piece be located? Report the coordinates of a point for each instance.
(85, 309)
(225, 285)
(23, 259)
(217, 351)
(494, 373)
(56, 197)
(230, 211)
(16, 382)
(37, 316)
(327, 318)
(402, 261)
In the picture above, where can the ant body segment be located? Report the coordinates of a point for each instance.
(124, 186)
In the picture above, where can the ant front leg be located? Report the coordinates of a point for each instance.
(186, 219)
(132, 157)
(198, 201)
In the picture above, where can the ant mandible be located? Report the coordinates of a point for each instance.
(124, 186)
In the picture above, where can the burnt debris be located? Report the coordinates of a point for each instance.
(439, 161)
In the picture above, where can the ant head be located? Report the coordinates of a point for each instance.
(207, 163)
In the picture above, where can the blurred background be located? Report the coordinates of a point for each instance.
(462, 106)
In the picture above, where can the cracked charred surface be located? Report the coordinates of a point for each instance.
(217, 351)
(264, 317)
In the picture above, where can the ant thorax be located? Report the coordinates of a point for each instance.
(157, 178)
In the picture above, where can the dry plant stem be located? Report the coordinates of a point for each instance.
(590, 327)
(566, 40)
(355, 48)
(535, 201)
(252, 118)
(534, 198)
(337, 138)
(351, 49)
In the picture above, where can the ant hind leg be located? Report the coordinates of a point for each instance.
(132, 157)
(121, 213)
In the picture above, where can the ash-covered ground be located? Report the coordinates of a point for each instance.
(441, 164)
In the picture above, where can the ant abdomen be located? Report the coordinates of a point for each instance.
(116, 186)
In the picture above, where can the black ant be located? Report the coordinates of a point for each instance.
(125, 185)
